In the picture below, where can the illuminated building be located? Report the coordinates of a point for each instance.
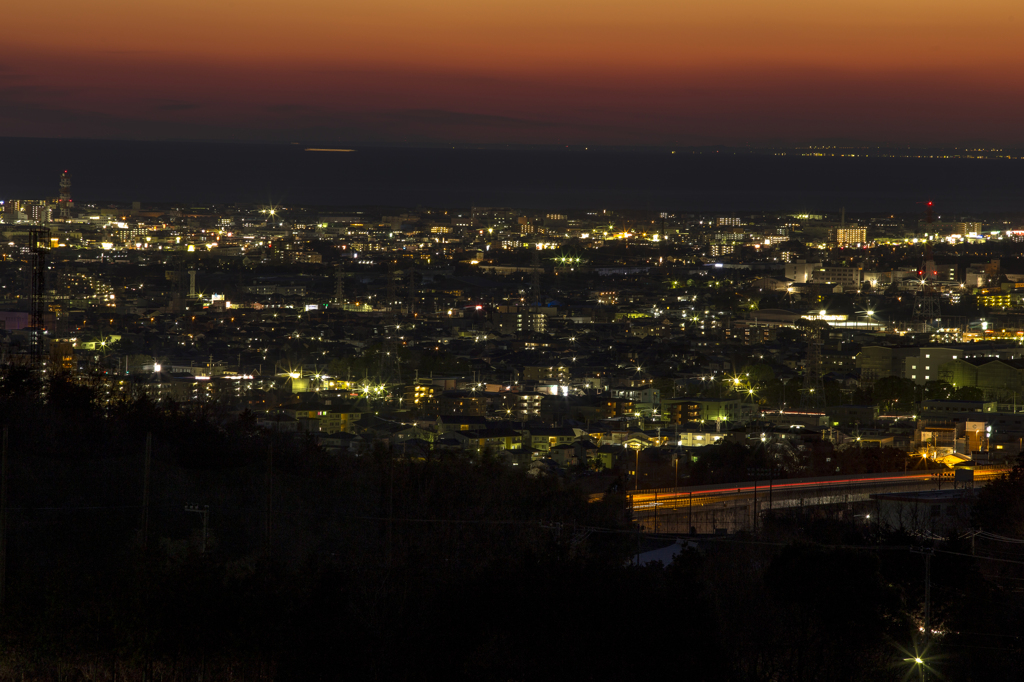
(848, 236)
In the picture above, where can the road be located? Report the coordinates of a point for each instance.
(712, 504)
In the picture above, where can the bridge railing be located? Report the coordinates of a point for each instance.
(810, 481)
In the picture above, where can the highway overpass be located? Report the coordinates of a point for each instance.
(731, 507)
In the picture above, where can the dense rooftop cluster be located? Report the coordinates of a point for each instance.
(252, 441)
(555, 341)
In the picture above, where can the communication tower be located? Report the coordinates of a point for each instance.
(390, 371)
(926, 307)
(535, 282)
(339, 285)
(411, 302)
(64, 212)
(59, 303)
(39, 238)
(814, 392)
(390, 366)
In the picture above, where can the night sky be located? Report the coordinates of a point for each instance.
(408, 72)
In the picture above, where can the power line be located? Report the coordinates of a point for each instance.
(999, 538)
(978, 556)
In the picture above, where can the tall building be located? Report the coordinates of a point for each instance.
(801, 271)
(836, 274)
(850, 235)
(40, 212)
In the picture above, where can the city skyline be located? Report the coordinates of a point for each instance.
(516, 341)
(405, 73)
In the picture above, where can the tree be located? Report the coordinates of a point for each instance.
(137, 363)
(1000, 505)
(822, 596)
(972, 393)
(893, 394)
(17, 383)
(938, 390)
(760, 373)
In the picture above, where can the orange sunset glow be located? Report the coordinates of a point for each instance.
(574, 72)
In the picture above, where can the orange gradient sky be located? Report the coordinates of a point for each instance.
(530, 71)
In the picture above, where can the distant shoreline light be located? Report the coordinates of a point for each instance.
(323, 149)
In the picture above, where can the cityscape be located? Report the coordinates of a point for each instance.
(511, 342)
(697, 381)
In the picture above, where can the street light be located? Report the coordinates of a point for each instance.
(918, 662)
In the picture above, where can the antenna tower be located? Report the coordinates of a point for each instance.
(926, 307)
(64, 202)
(926, 302)
(390, 368)
(339, 285)
(59, 305)
(814, 390)
(412, 292)
(535, 282)
(391, 292)
(38, 238)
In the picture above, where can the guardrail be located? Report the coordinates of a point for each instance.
(823, 481)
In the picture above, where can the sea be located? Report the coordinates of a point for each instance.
(577, 178)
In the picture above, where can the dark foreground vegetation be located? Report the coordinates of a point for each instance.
(320, 567)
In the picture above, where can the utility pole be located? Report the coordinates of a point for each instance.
(638, 545)
(145, 490)
(270, 499)
(636, 474)
(928, 553)
(3, 522)
(755, 502)
(928, 597)
(391, 505)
